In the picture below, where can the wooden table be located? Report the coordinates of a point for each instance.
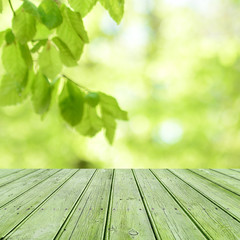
(90, 204)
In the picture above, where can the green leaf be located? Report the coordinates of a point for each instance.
(83, 6)
(49, 61)
(92, 98)
(13, 62)
(109, 124)
(110, 111)
(24, 26)
(71, 103)
(1, 6)
(65, 53)
(109, 104)
(69, 36)
(29, 81)
(42, 32)
(75, 20)
(10, 91)
(9, 36)
(30, 8)
(38, 45)
(26, 55)
(56, 85)
(91, 124)
(41, 94)
(115, 9)
(2, 35)
(50, 14)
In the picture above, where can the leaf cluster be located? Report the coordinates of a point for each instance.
(41, 41)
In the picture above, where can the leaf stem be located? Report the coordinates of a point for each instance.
(66, 77)
(11, 6)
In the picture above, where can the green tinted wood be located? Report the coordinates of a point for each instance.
(228, 172)
(216, 223)
(127, 203)
(15, 176)
(6, 172)
(18, 187)
(226, 182)
(168, 218)
(119, 204)
(16, 211)
(225, 199)
(89, 218)
(56, 210)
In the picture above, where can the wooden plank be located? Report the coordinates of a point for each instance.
(44, 224)
(217, 178)
(18, 187)
(228, 172)
(18, 210)
(120, 204)
(228, 201)
(169, 219)
(128, 218)
(88, 219)
(13, 177)
(6, 172)
(216, 223)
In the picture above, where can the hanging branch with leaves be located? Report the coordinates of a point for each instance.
(53, 33)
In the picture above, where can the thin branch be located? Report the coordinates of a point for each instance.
(11, 6)
(66, 77)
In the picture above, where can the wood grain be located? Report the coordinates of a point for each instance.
(215, 223)
(119, 204)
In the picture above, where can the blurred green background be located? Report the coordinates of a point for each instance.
(174, 65)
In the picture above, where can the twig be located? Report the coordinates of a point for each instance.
(86, 89)
(11, 6)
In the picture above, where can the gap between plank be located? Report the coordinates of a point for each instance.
(35, 170)
(145, 204)
(192, 218)
(235, 170)
(209, 199)
(79, 216)
(109, 210)
(19, 170)
(39, 206)
(28, 189)
(213, 182)
(105, 216)
(68, 218)
(216, 170)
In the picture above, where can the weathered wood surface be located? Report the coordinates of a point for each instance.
(119, 204)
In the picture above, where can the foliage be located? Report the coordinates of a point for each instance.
(173, 64)
(42, 41)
